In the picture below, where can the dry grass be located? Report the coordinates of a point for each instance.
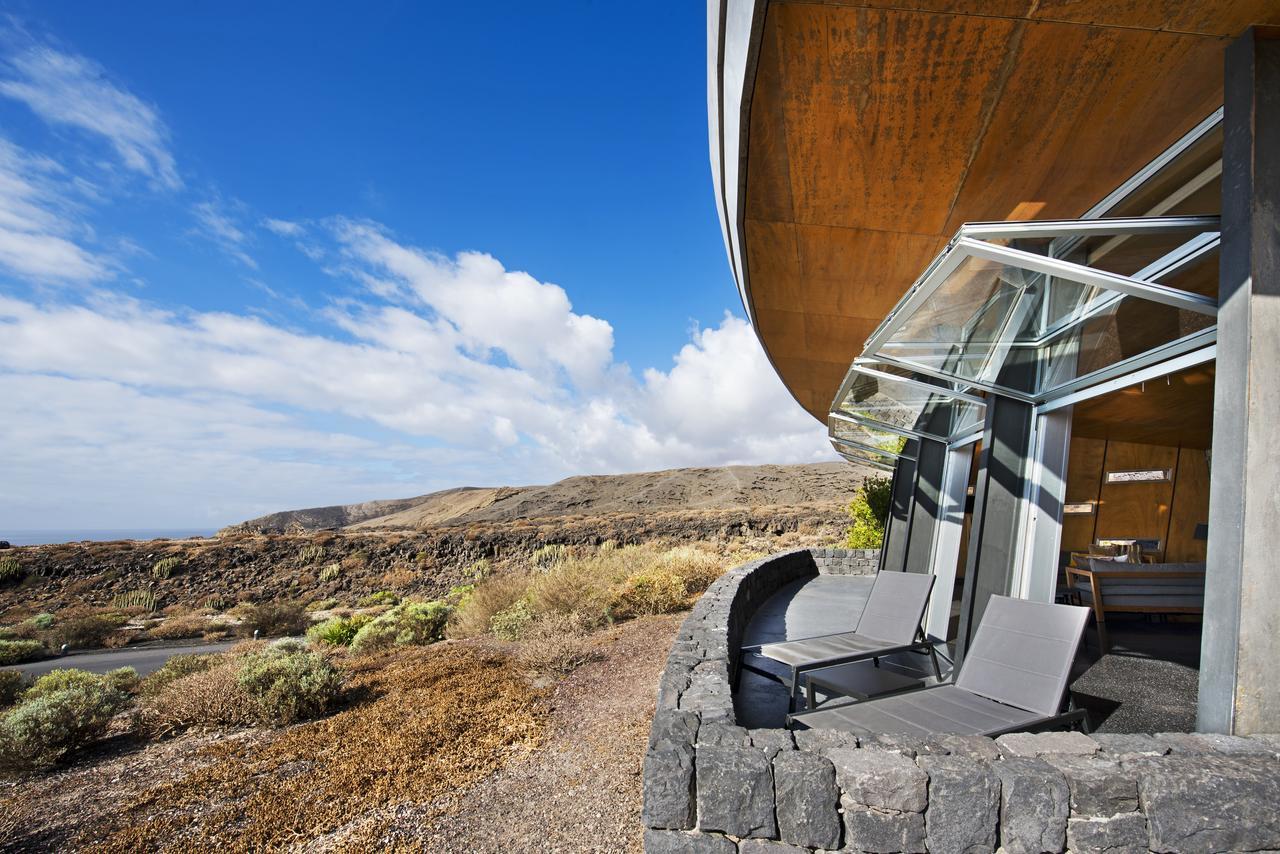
(431, 721)
(491, 596)
(558, 644)
(180, 626)
(206, 699)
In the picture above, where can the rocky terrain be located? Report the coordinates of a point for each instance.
(353, 563)
(682, 490)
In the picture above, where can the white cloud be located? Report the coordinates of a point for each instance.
(37, 223)
(283, 227)
(219, 225)
(489, 367)
(71, 90)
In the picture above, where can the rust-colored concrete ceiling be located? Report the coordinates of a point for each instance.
(878, 127)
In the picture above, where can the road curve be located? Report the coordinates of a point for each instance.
(144, 659)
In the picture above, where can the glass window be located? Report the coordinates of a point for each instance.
(882, 395)
(872, 438)
(865, 457)
(1003, 325)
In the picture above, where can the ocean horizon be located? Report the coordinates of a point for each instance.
(47, 536)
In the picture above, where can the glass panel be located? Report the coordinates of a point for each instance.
(878, 440)
(994, 323)
(861, 457)
(908, 406)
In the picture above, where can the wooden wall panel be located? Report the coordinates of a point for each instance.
(1084, 479)
(1138, 510)
(1190, 507)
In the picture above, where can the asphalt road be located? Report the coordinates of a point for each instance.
(144, 659)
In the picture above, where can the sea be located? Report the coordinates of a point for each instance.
(70, 535)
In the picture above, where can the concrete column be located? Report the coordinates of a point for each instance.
(1240, 648)
(997, 511)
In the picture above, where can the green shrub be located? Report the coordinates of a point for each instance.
(11, 570)
(123, 679)
(869, 510)
(338, 631)
(166, 567)
(48, 725)
(332, 572)
(289, 683)
(375, 600)
(144, 599)
(311, 554)
(408, 624)
(548, 556)
(479, 570)
(18, 651)
(322, 605)
(510, 623)
(271, 619)
(176, 668)
(42, 621)
(12, 684)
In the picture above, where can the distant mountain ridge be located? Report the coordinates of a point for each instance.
(691, 489)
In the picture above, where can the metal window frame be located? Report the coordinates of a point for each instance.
(904, 432)
(889, 458)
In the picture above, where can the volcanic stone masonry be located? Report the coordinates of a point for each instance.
(712, 786)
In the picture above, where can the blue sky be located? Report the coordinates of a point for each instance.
(252, 258)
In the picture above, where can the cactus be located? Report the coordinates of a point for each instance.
(310, 554)
(331, 572)
(165, 567)
(10, 570)
(144, 599)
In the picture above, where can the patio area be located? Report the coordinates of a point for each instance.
(1146, 682)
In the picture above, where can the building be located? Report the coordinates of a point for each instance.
(1024, 255)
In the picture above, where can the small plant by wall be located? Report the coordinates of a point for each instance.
(868, 511)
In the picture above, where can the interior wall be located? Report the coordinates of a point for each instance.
(1166, 511)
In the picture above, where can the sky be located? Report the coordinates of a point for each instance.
(254, 258)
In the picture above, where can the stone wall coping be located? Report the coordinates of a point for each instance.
(711, 785)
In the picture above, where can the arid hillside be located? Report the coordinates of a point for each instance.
(674, 490)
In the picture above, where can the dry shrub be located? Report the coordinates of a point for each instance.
(119, 639)
(405, 742)
(208, 698)
(398, 578)
(696, 567)
(270, 619)
(573, 586)
(84, 627)
(645, 593)
(491, 596)
(558, 644)
(180, 626)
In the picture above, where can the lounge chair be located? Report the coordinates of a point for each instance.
(890, 623)
(1013, 678)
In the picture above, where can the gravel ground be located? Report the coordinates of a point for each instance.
(577, 791)
(580, 791)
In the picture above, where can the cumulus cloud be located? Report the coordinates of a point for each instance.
(66, 89)
(473, 373)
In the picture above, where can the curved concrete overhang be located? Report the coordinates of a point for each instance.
(850, 139)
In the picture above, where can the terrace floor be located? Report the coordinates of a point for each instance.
(1146, 683)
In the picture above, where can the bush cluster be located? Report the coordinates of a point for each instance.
(338, 631)
(273, 685)
(18, 651)
(407, 624)
(12, 684)
(60, 713)
(607, 585)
